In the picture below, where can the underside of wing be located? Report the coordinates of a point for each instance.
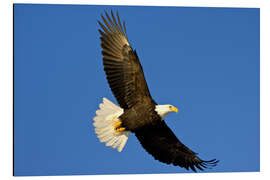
(121, 64)
(159, 141)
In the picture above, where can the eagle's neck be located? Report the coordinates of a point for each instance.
(163, 110)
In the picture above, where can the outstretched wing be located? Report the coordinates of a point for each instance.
(159, 141)
(121, 64)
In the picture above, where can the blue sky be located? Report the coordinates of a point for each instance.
(205, 61)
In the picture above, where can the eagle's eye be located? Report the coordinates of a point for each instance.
(170, 106)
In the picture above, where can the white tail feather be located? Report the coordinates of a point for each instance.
(104, 121)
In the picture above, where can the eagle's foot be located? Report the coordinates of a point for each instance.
(117, 124)
(119, 130)
(117, 127)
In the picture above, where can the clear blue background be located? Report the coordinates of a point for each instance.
(205, 61)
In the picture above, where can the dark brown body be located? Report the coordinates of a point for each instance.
(140, 115)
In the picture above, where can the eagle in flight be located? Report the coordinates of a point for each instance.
(138, 112)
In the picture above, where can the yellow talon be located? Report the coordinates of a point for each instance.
(121, 129)
(117, 124)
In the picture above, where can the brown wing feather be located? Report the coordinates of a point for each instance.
(121, 64)
(159, 141)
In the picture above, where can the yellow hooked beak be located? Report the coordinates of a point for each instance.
(174, 109)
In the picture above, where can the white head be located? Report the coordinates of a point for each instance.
(163, 110)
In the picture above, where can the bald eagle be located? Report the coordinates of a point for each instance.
(138, 112)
